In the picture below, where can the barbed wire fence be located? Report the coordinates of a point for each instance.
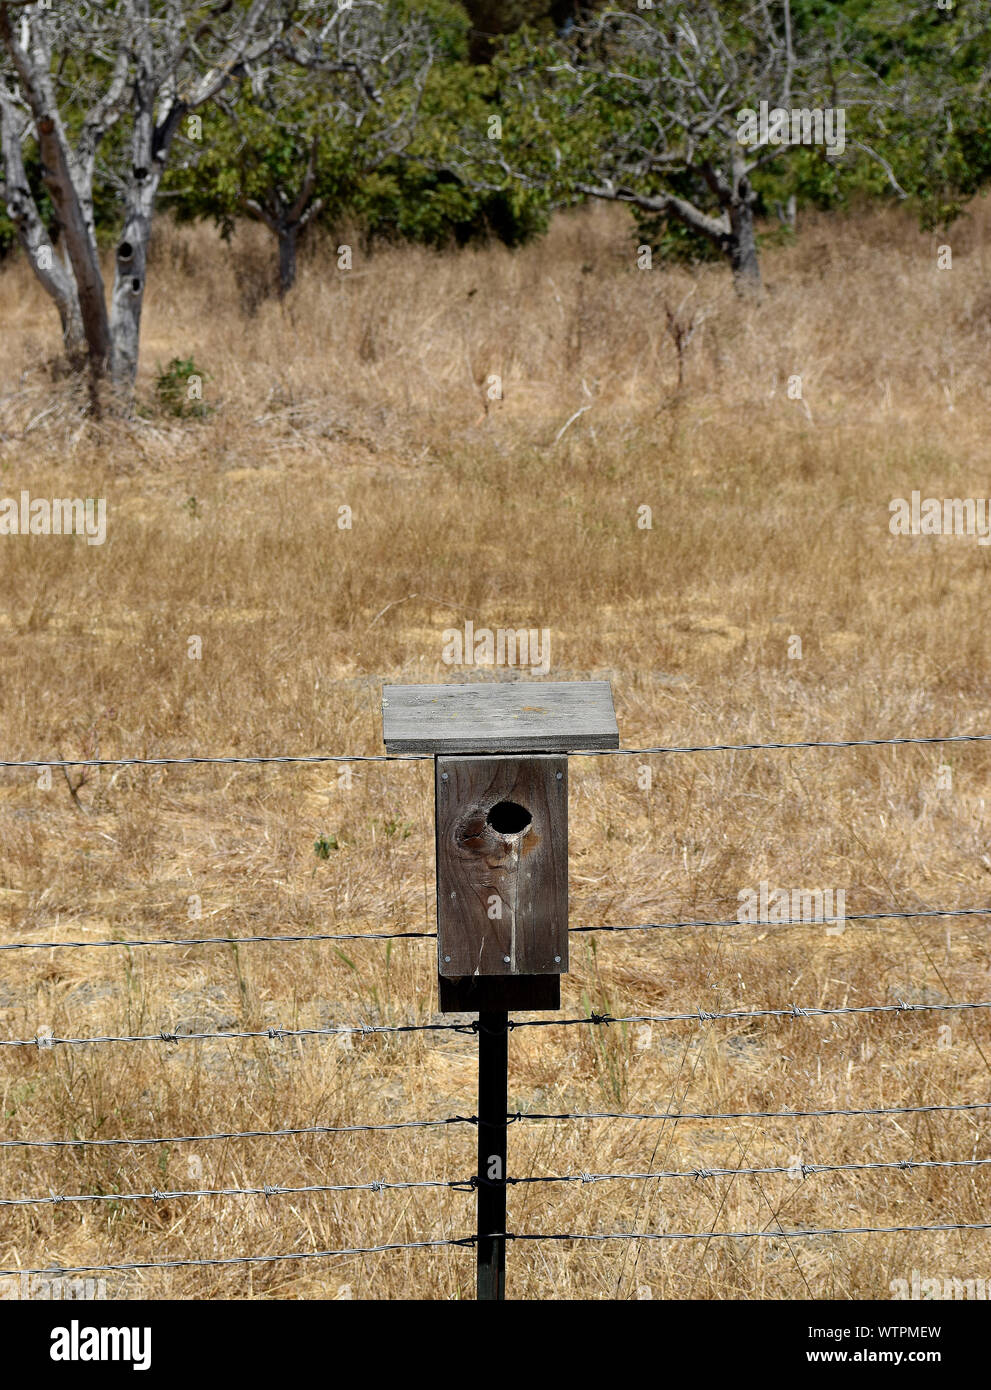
(470, 1183)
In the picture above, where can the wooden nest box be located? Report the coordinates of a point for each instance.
(501, 785)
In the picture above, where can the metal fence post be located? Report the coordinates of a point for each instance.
(493, 1070)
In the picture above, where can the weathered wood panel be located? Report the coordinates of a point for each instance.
(502, 885)
(501, 717)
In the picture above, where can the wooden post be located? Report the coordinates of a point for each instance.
(501, 788)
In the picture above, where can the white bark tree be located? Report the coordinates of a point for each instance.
(70, 75)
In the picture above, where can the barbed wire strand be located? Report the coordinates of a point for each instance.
(469, 1242)
(700, 1015)
(235, 1134)
(221, 760)
(768, 1234)
(54, 1271)
(801, 922)
(803, 1170)
(267, 1190)
(276, 1034)
(704, 1016)
(432, 935)
(680, 1115)
(222, 940)
(802, 743)
(303, 758)
(516, 1117)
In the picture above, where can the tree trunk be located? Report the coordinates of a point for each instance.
(56, 279)
(741, 248)
(150, 147)
(287, 233)
(70, 201)
(80, 243)
(741, 244)
(73, 337)
(130, 269)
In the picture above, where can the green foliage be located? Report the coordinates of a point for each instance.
(172, 387)
(253, 155)
(427, 195)
(406, 201)
(402, 828)
(937, 137)
(8, 237)
(323, 846)
(295, 144)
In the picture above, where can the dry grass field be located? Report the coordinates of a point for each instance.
(770, 515)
